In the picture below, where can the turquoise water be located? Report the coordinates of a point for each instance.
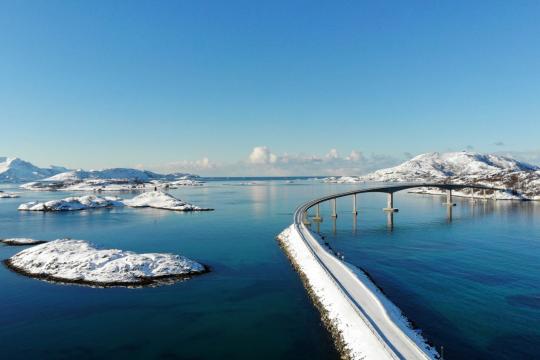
(471, 284)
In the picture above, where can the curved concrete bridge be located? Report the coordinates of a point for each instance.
(384, 325)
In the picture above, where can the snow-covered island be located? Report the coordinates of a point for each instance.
(21, 241)
(153, 199)
(521, 179)
(162, 200)
(116, 179)
(6, 195)
(73, 203)
(78, 262)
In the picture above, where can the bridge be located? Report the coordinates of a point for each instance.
(384, 325)
(390, 190)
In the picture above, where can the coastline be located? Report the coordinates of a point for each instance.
(143, 282)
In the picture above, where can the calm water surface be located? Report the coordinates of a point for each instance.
(471, 284)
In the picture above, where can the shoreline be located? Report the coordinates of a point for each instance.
(144, 282)
(335, 333)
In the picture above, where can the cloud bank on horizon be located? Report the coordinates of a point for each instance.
(262, 161)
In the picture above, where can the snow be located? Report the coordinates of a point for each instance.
(5, 195)
(21, 241)
(15, 170)
(78, 261)
(161, 200)
(359, 340)
(73, 204)
(522, 179)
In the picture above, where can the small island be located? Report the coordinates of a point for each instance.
(21, 241)
(78, 262)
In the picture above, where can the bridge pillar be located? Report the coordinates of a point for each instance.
(449, 201)
(334, 208)
(318, 217)
(390, 203)
(354, 210)
(390, 220)
(306, 219)
(484, 195)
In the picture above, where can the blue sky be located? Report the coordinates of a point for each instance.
(198, 85)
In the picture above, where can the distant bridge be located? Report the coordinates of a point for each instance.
(390, 190)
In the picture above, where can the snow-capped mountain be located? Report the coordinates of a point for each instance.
(15, 170)
(437, 166)
(521, 179)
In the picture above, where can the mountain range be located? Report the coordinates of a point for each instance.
(15, 170)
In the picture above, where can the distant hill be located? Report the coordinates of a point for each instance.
(115, 173)
(437, 166)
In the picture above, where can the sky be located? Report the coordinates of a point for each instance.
(266, 87)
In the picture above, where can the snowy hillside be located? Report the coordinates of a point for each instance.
(15, 170)
(436, 166)
(521, 179)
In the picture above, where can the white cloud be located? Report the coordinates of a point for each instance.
(268, 163)
(262, 155)
(332, 154)
(354, 156)
(188, 166)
